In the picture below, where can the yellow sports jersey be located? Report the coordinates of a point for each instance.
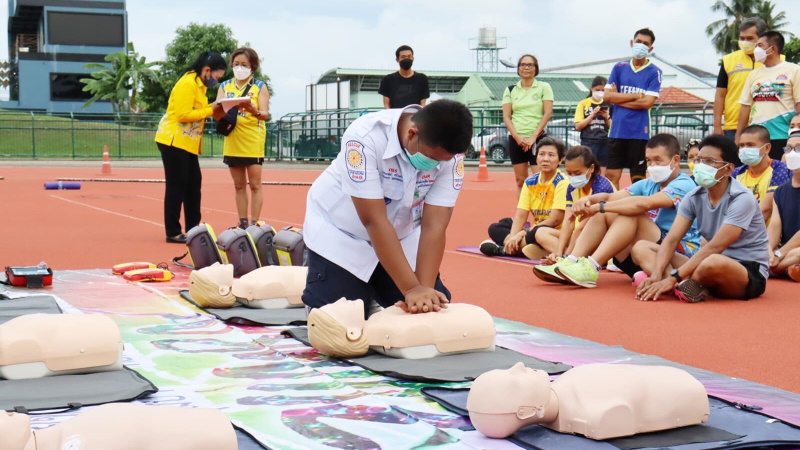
(776, 174)
(737, 66)
(540, 196)
(187, 110)
(248, 137)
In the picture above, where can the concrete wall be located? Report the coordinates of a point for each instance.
(34, 87)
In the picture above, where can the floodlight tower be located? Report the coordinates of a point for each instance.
(487, 48)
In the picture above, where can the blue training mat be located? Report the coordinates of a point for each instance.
(744, 429)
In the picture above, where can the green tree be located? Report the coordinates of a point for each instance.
(189, 43)
(792, 50)
(121, 83)
(724, 33)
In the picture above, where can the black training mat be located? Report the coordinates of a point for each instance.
(449, 368)
(64, 391)
(245, 441)
(242, 315)
(727, 428)
(34, 304)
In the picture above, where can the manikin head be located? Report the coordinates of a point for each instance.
(15, 431)
(211, 286)
(501, 402)
(337, 329)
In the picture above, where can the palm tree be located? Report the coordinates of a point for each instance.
(775, 22)
(120, 83)
(725, 32)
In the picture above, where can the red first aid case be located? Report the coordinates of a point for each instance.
(32, 277)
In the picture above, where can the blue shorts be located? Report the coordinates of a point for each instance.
(599, 149)
(328, 282)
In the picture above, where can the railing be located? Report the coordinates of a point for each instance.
(296, 136)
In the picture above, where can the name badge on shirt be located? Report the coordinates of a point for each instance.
(416, 212)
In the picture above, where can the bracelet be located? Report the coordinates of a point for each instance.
(602, 206)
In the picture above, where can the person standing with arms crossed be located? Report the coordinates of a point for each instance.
(243, 149)
(404, 87)
(527, 107)
(633, 87)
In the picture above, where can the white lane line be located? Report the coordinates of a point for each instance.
(109, 211)
(266, 219)
(487, 259)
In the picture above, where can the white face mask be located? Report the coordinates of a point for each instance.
(760, 54)
(659, 174)
(793, 130)
(241, 72)
(598, 96)
(793, 160)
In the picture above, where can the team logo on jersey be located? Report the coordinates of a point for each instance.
(782, 77)
(355, 161)
(458, 172)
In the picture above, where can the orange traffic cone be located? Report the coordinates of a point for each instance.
(106, 161)
(483, 169)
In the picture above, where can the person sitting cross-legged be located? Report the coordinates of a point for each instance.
(784, 228)
(543, 196)
(760, 173)
(734, 263)
(583, 170)
(643, 211)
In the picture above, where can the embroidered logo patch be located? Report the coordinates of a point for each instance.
(458, 172)
(355, 161)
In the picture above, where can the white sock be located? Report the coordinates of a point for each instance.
(572, 258)
(594, 263)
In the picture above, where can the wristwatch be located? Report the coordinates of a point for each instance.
(674, 274)
(602, 206)
(778, 253)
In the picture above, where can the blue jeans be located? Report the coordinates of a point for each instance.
(730, 134)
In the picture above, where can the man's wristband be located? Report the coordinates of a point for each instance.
(602, 206)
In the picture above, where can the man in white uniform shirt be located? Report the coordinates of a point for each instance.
(376, 218)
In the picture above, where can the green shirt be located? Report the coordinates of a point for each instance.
(527, 105)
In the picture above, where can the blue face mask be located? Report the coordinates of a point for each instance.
(579, 181)
(210, 82)
(705, 175)
(420, 161)
(639, 50)
(750, 156)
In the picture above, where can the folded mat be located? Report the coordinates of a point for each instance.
(70, 391)
(242, 315)
(448, 368)
(728, 427)
(477, 251)
(245, 441)
(34, 304)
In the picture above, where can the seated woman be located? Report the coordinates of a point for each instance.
(583, 172)
(543, 196)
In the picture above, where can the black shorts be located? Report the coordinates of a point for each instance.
(756, 283)
(328, 282)
(517, 156)
(628, 153)
(240, 161)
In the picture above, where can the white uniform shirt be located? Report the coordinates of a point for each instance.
(372, 165)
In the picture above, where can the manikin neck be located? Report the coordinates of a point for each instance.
(550, 411)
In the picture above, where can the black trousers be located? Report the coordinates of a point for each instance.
(183, 183)
(498, 232)
(328, 282)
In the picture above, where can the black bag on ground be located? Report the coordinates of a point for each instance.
(228, 122)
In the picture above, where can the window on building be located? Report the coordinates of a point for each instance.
(68, 87)
(67, 28)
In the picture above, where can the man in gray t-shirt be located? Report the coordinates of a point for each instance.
(735, 261)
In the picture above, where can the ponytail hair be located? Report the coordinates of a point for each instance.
(589, 159)
(212, 60)
(598, 81)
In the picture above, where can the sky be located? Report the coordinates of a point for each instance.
(299, 40)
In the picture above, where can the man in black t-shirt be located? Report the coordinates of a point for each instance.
(784, 226)
(404, 87)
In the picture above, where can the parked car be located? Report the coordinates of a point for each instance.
(494, 140)
(564, 129)
(685, 127)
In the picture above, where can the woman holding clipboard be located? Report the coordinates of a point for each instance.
(243, 150)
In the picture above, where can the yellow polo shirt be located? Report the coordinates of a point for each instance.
(187, 110)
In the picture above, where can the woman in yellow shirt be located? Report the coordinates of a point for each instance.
(243, 151)
(180, 138)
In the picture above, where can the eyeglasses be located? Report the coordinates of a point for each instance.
(709, 162)
(527, 65)
(788, 149)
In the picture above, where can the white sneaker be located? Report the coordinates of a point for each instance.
(611, 267)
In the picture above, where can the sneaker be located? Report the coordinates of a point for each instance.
(611, 267)
(638, 277)
(581, 273)
(490, 248)
(794, 272)
(549, 274)
(690, 291)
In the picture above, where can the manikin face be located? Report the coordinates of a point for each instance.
(350, 314)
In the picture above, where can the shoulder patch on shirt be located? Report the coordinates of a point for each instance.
(458, 172)
(356, 161)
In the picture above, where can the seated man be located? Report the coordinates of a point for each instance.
(643, 211)
(734, 263)
(760, 173)
(543, 196)
(784, 228)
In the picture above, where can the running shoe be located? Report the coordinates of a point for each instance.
(549, 274)
(690, 291)
(490, 248)
(794, 272)
(611, 267)
(581, 273)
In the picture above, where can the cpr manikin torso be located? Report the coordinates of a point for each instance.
(599, 401)
(272, 287)
(41, 345)
(210, 287)
(335, 330)
(124, 427)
